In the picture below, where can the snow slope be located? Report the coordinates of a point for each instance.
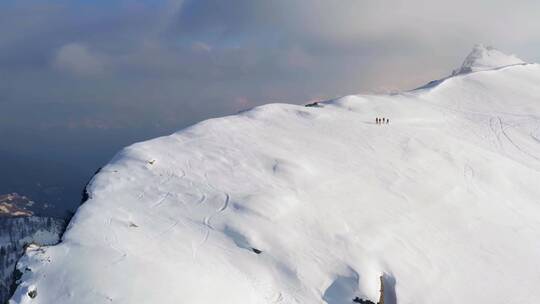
(443, 201)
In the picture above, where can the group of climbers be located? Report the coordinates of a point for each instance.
(382, 121)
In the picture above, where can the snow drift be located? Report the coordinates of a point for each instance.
(288, 204)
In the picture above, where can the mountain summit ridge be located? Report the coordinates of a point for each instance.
(483, 58)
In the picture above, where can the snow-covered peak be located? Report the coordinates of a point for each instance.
(321, 204)
(484, 58)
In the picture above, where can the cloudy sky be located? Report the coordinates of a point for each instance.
(80, 79)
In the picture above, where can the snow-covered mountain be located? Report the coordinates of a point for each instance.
(291, 204)
(484, 58)
(16, 232)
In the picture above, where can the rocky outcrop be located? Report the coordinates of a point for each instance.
(20, 229)
(13, 204)
(15, 234)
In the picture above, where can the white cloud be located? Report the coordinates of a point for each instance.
(77, 59)
(199, 46)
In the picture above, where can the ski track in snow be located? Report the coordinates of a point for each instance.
(168, 229)
(195, 248)
(224, 206)
(535, 138)
(496, 130)
(207, 219)
(202, 199)
(113, 241)
(161, 200)
(514, 143)
(225, 203)
(208, 225)
(206, 222)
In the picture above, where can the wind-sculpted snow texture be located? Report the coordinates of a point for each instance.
(288, 204)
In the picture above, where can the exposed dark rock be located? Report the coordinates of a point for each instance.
(84, 195)
(32, 293)
(16, 276)
(314, 105)
(362, 301)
